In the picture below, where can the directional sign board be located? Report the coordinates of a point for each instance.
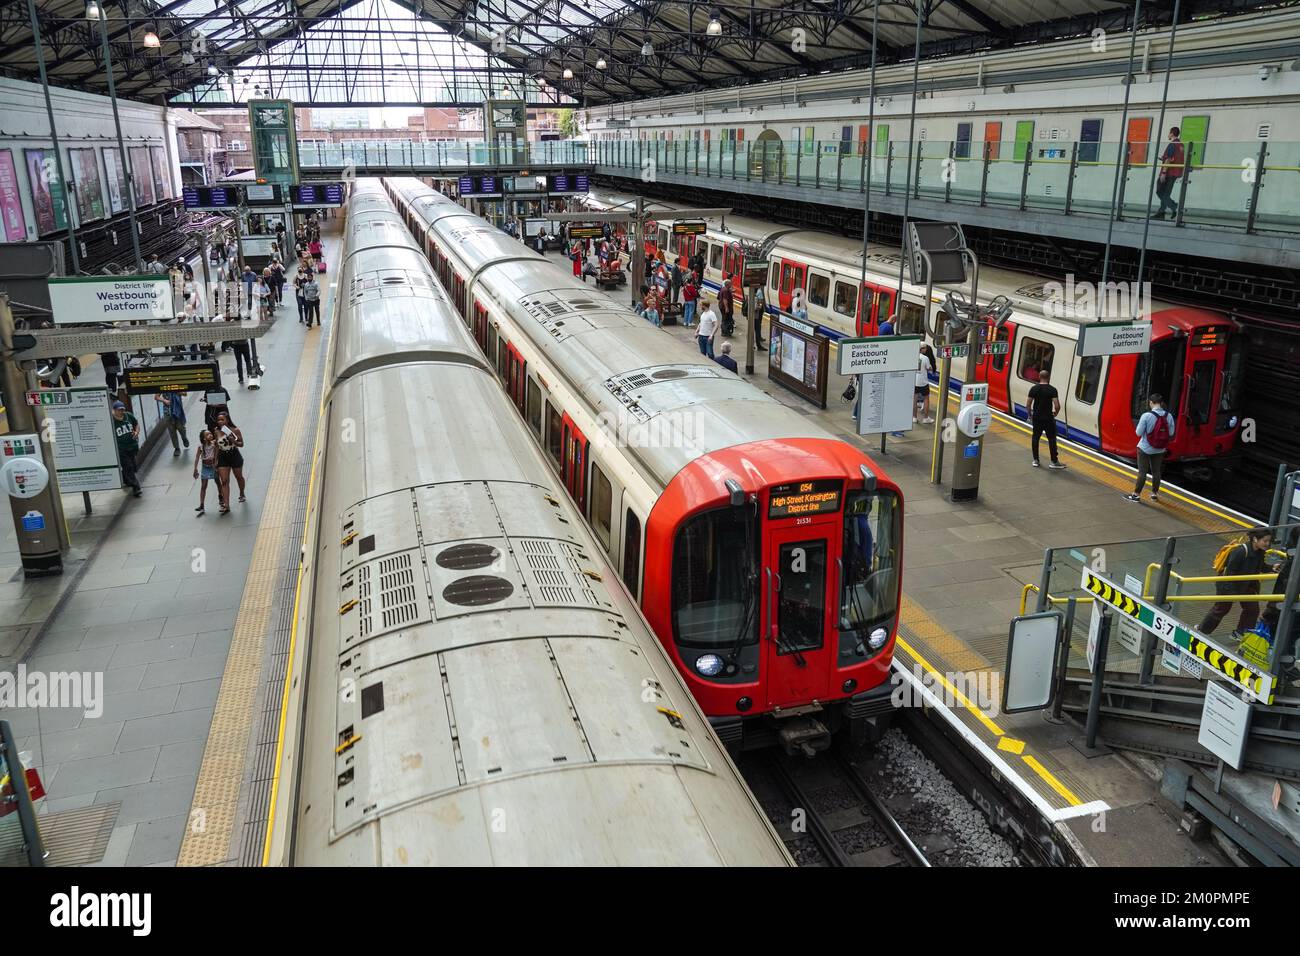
(995, 348)
(957, 351)
(1114, 338)
(96, 299)
(85, 450)
(1231, 666)
(883, 353)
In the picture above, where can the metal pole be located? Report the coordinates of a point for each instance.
(1063, 662)
(121, 144)
(638, 251)
(1158, 597)
(1044, 582)
(22, 798)
(907, 198)
(54, 136)
(1098, 675)
(866, 190)
(1279, 489)
(751, 331)
(42, 427)
(1155, 163)
(1121, 168)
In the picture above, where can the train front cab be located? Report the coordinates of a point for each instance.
(1196, 362)
(782, 601)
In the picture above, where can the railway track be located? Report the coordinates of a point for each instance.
(833, 816)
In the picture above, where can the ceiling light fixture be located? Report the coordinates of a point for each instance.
(568, 73)
(93, 12)
(647, 48)
(151, 41)
(600, 63)
(212, 70)
(714, 28)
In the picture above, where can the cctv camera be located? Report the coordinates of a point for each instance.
(1265, 71)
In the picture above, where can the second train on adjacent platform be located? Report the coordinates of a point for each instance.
(766, 553)
(1196, 360)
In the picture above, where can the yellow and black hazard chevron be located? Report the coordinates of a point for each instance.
(1255, 681)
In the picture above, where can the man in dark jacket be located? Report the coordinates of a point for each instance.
(1245, 558)
(726, 306)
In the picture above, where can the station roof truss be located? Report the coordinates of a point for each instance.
(551, 52)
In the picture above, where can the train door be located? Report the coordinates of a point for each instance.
(798, 608)
(792, 277)
(1081, 397)
(993, 368)
(515, 376)
(480, 325)
(574, 449)
(1138, 138)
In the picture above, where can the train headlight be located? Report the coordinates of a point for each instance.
(710, 665)
(878, 638)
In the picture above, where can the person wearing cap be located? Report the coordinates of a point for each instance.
(127, 432)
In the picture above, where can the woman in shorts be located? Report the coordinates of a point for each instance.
(229, 459)
(205, 468)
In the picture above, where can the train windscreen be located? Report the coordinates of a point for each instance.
(715, 603)
(872, 550)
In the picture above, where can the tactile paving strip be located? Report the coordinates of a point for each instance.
(213, 812)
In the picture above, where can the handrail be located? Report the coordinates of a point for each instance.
(1202, 579)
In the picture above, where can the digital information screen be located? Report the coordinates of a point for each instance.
(1211, 335)
(318, 194)
(805, 498)
(566, 183)
(586, 232)
(210, 197)
(263, 194)
(689, 228)
(180, 377)
(479, 186)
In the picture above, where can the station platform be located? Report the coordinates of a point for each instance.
(187, 618)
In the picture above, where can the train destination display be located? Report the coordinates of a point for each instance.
(179, 377)
(804, 498)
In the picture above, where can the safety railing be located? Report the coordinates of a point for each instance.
(1191, 605)
(1251, 186)
(406, 154)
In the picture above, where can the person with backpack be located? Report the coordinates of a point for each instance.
(1244, 556)
(1171, 170)
(726, 306)
(1155, 430)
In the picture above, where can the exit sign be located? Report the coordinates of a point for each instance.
(57, 397)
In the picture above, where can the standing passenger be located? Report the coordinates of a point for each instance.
(1044, 406)
(127, 432)
(708, 329)
(1155, 430)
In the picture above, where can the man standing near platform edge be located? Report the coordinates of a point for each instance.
(127, 431)
(1044, 406)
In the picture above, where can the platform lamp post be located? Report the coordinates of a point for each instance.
(93, 12)
(54, 135)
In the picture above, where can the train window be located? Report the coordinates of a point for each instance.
(1159, 371)
(776, 276)
(911, 320)
(602, 504)
(787, 277)
(715, 256)
(1200, 392)
(534, 412)
(663, 238)
(491, 350)
(1035, 355)
(632, 551)
(1000, 361)
(503, 358)
(845, 299)
(870, 564)
(1085, 389)
(819, 289)
(712, 598)
(554, 427)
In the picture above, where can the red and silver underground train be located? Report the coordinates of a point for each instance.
(765, 552)
(1196, 360)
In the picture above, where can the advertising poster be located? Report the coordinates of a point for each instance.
(116, 180)
(47, 192)
(86, 185)
(11, 201)
(162, 180)
(141, 175)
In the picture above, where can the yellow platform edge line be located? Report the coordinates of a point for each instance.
(1051, 780)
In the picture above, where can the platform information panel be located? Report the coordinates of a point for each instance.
(480, 186)
(566, 184)
(210, 197)
(263, 194)
(85, 451)
(179, 377)
(689, 227)
(586, 232)
(316, 195)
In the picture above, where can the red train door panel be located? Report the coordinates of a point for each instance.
(480, 325)
(799, 610)
(515, 376)
(995, 369)
(575, 463)
(793, 275)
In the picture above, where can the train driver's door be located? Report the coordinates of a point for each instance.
(793, 275)
(574, 449)
(798, 607)
(995, 367)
